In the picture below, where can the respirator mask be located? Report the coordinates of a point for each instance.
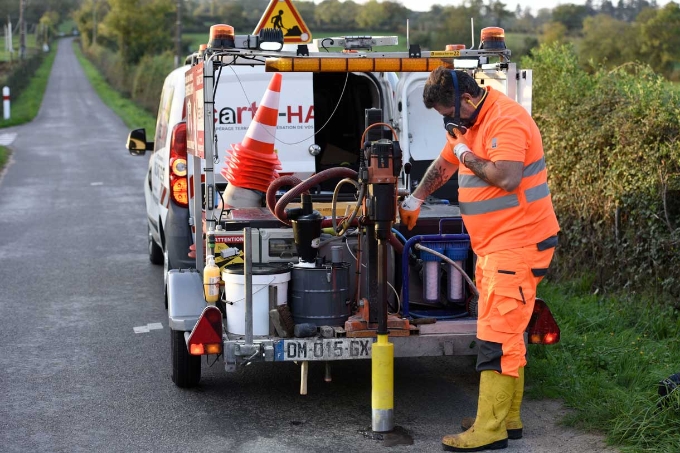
(451, 124)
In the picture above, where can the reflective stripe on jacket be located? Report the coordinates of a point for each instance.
(497, 219)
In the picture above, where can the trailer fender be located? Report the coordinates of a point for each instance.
(185, 298)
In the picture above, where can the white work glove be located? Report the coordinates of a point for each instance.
(409, 209)
(460, 150)
(459, 146)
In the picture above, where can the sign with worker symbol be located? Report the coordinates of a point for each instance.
(283, 15)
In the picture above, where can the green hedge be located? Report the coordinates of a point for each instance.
(110, 64)
(21, 73)
(148, 79)
(141, 83)
(611, 142)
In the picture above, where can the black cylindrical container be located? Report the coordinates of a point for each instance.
(307, 234)
(320, 295)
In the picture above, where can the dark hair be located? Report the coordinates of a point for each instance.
(439, 87)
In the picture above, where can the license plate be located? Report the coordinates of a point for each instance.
(323, 349)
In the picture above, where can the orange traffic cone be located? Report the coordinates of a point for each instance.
(253, 163)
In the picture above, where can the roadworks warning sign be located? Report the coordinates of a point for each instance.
(283, 15)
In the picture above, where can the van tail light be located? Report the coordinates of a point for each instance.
(179, 185)
(206, 338)
(543, 328)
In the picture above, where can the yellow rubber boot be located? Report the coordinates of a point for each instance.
(513, 422)
(488, 431)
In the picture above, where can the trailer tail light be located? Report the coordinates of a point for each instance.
(331, 64)
(179, 185)
(543, 328)
(206, 338)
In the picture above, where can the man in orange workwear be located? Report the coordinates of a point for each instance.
(506, 208)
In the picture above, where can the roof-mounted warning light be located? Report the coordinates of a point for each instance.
(221, 36)
(333, 64)
(450, 47)
(493, 38)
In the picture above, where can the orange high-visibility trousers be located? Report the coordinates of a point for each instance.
(507, 282)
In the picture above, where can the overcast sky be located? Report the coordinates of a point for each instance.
(535, 5)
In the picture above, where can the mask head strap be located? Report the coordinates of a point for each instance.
(456, 97)
(453, 124)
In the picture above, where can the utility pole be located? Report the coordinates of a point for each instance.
(94, 22)
(178, 38)
(22, 31)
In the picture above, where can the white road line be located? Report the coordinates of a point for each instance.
(7, 138)
(147, 328)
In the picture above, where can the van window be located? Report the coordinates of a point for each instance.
(163, 119)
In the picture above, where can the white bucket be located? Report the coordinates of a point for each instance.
(264, 276)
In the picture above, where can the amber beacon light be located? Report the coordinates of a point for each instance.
(492, 38)
(221, 36)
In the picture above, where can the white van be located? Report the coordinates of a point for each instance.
(321, 121)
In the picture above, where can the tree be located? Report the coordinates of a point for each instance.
(543, 16)
(139, 27)
(48, 26)
(659, 39)
(497, 10)
(553, 32)
(336, 15)
(85, 17)
(234, 15)
(608, 8)
(525, 21)
(453, 25)
(606, 41)
(571, 16)
(395, 16)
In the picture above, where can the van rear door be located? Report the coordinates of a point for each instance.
(421, 131)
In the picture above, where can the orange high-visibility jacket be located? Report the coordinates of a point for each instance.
(496, 219)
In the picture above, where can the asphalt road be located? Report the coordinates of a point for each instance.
(75, 280)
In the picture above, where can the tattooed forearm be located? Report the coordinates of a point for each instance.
(435, 177)
(477, 165)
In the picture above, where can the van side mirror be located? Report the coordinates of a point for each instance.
(137, 144)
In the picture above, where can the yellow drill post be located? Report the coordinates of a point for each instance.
(382, 401)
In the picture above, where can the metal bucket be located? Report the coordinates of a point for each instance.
(320, 295)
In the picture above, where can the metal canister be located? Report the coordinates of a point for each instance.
(320, 295)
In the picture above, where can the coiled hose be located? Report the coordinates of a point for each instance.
(299, 187)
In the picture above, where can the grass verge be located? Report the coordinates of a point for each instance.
(132, 115)
(27, 104)
(613, 353)
(4, 156)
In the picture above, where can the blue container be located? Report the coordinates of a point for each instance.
(456, 251)
(431, 271)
